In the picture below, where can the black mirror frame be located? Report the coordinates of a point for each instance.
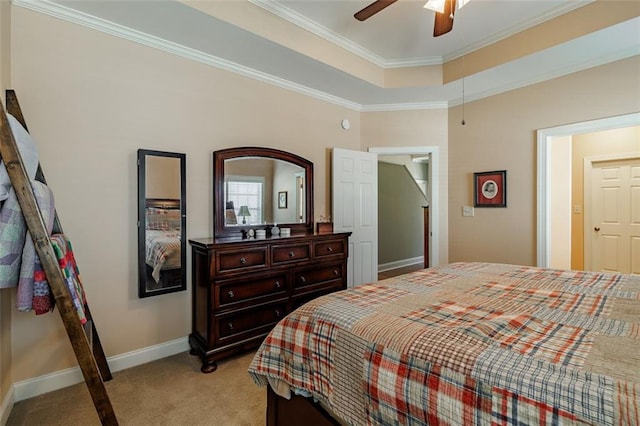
(142, 205)
(219, 157)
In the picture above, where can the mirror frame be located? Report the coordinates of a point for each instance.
(143, 291)
(219, 157)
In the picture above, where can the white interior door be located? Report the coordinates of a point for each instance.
(354, 183)
(614, 228)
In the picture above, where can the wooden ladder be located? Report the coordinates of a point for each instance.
(84, 339)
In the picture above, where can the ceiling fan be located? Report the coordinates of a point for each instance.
(445, 9)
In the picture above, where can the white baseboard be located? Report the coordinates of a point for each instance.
(7, 405)
(400, 263)
(71, 376)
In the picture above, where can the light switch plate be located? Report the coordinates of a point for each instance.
(467, 211)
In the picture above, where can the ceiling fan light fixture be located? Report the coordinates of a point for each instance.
(435, 5)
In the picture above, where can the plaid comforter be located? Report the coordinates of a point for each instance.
(467, 344)
(163, 250)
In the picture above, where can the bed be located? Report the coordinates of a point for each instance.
(162, 239)
(465, 343)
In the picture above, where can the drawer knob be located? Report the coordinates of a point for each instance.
(278, 285)
(291, 254)
(230, 326)
(303, 279)
(278, 313)
(335, 272)
(230, 294)
(243, 260)
(330, 249)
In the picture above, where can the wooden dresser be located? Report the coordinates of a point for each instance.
(242, 288)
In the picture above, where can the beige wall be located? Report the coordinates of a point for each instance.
(400, 215)
(500, 134)
(162, 177)
(99, 100)
(605, 143)
(5, 44)
(5, 295)
(415, 128)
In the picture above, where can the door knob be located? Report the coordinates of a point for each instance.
(597, 228)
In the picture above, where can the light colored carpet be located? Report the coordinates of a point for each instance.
(170, 391)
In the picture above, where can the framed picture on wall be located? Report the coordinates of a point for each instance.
(490, 189)
(282, 199)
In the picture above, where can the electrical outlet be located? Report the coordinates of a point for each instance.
(467, 211)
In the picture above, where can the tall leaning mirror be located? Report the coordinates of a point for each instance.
(162, 218)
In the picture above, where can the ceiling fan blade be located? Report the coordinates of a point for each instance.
(372, 9)
(444, 21)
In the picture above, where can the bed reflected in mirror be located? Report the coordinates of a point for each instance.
(161, 223)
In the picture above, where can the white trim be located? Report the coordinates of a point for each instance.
(544, 139)
(400, 264)
(71, 376)
(434, 216)
(405, 106)
(108, 27)
(7, 405)
(321, 31)
(71, 15)
(313, 27)
(60, 11)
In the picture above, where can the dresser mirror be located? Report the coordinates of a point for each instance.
(162, 217)
(255, 188)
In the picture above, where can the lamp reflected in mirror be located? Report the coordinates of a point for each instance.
(244, 212)
(257, 178)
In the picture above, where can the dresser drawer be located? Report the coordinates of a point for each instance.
(281, 254)
(240, 260)
(327, 274)
(249, 322)
(231, 292)
(305, 297)
(329, 248)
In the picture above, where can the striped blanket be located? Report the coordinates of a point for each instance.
(466, 344)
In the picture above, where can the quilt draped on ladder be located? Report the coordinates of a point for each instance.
(19, 263)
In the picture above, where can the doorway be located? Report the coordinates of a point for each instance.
(545, 139)
(433, 190)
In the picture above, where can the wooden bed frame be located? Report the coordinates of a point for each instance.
(296, 411)
(163, 203)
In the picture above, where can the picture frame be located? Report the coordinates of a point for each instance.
(282, 199)
(490, 189)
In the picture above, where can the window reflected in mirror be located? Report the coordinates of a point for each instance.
(254, 190)
(161, 222)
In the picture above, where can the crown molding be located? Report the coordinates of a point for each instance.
(404, 106)
(303, 22)
(65, 13)
(516, 28)
(68, 14)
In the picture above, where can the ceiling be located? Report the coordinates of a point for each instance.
(401, 34)
(214, 32)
